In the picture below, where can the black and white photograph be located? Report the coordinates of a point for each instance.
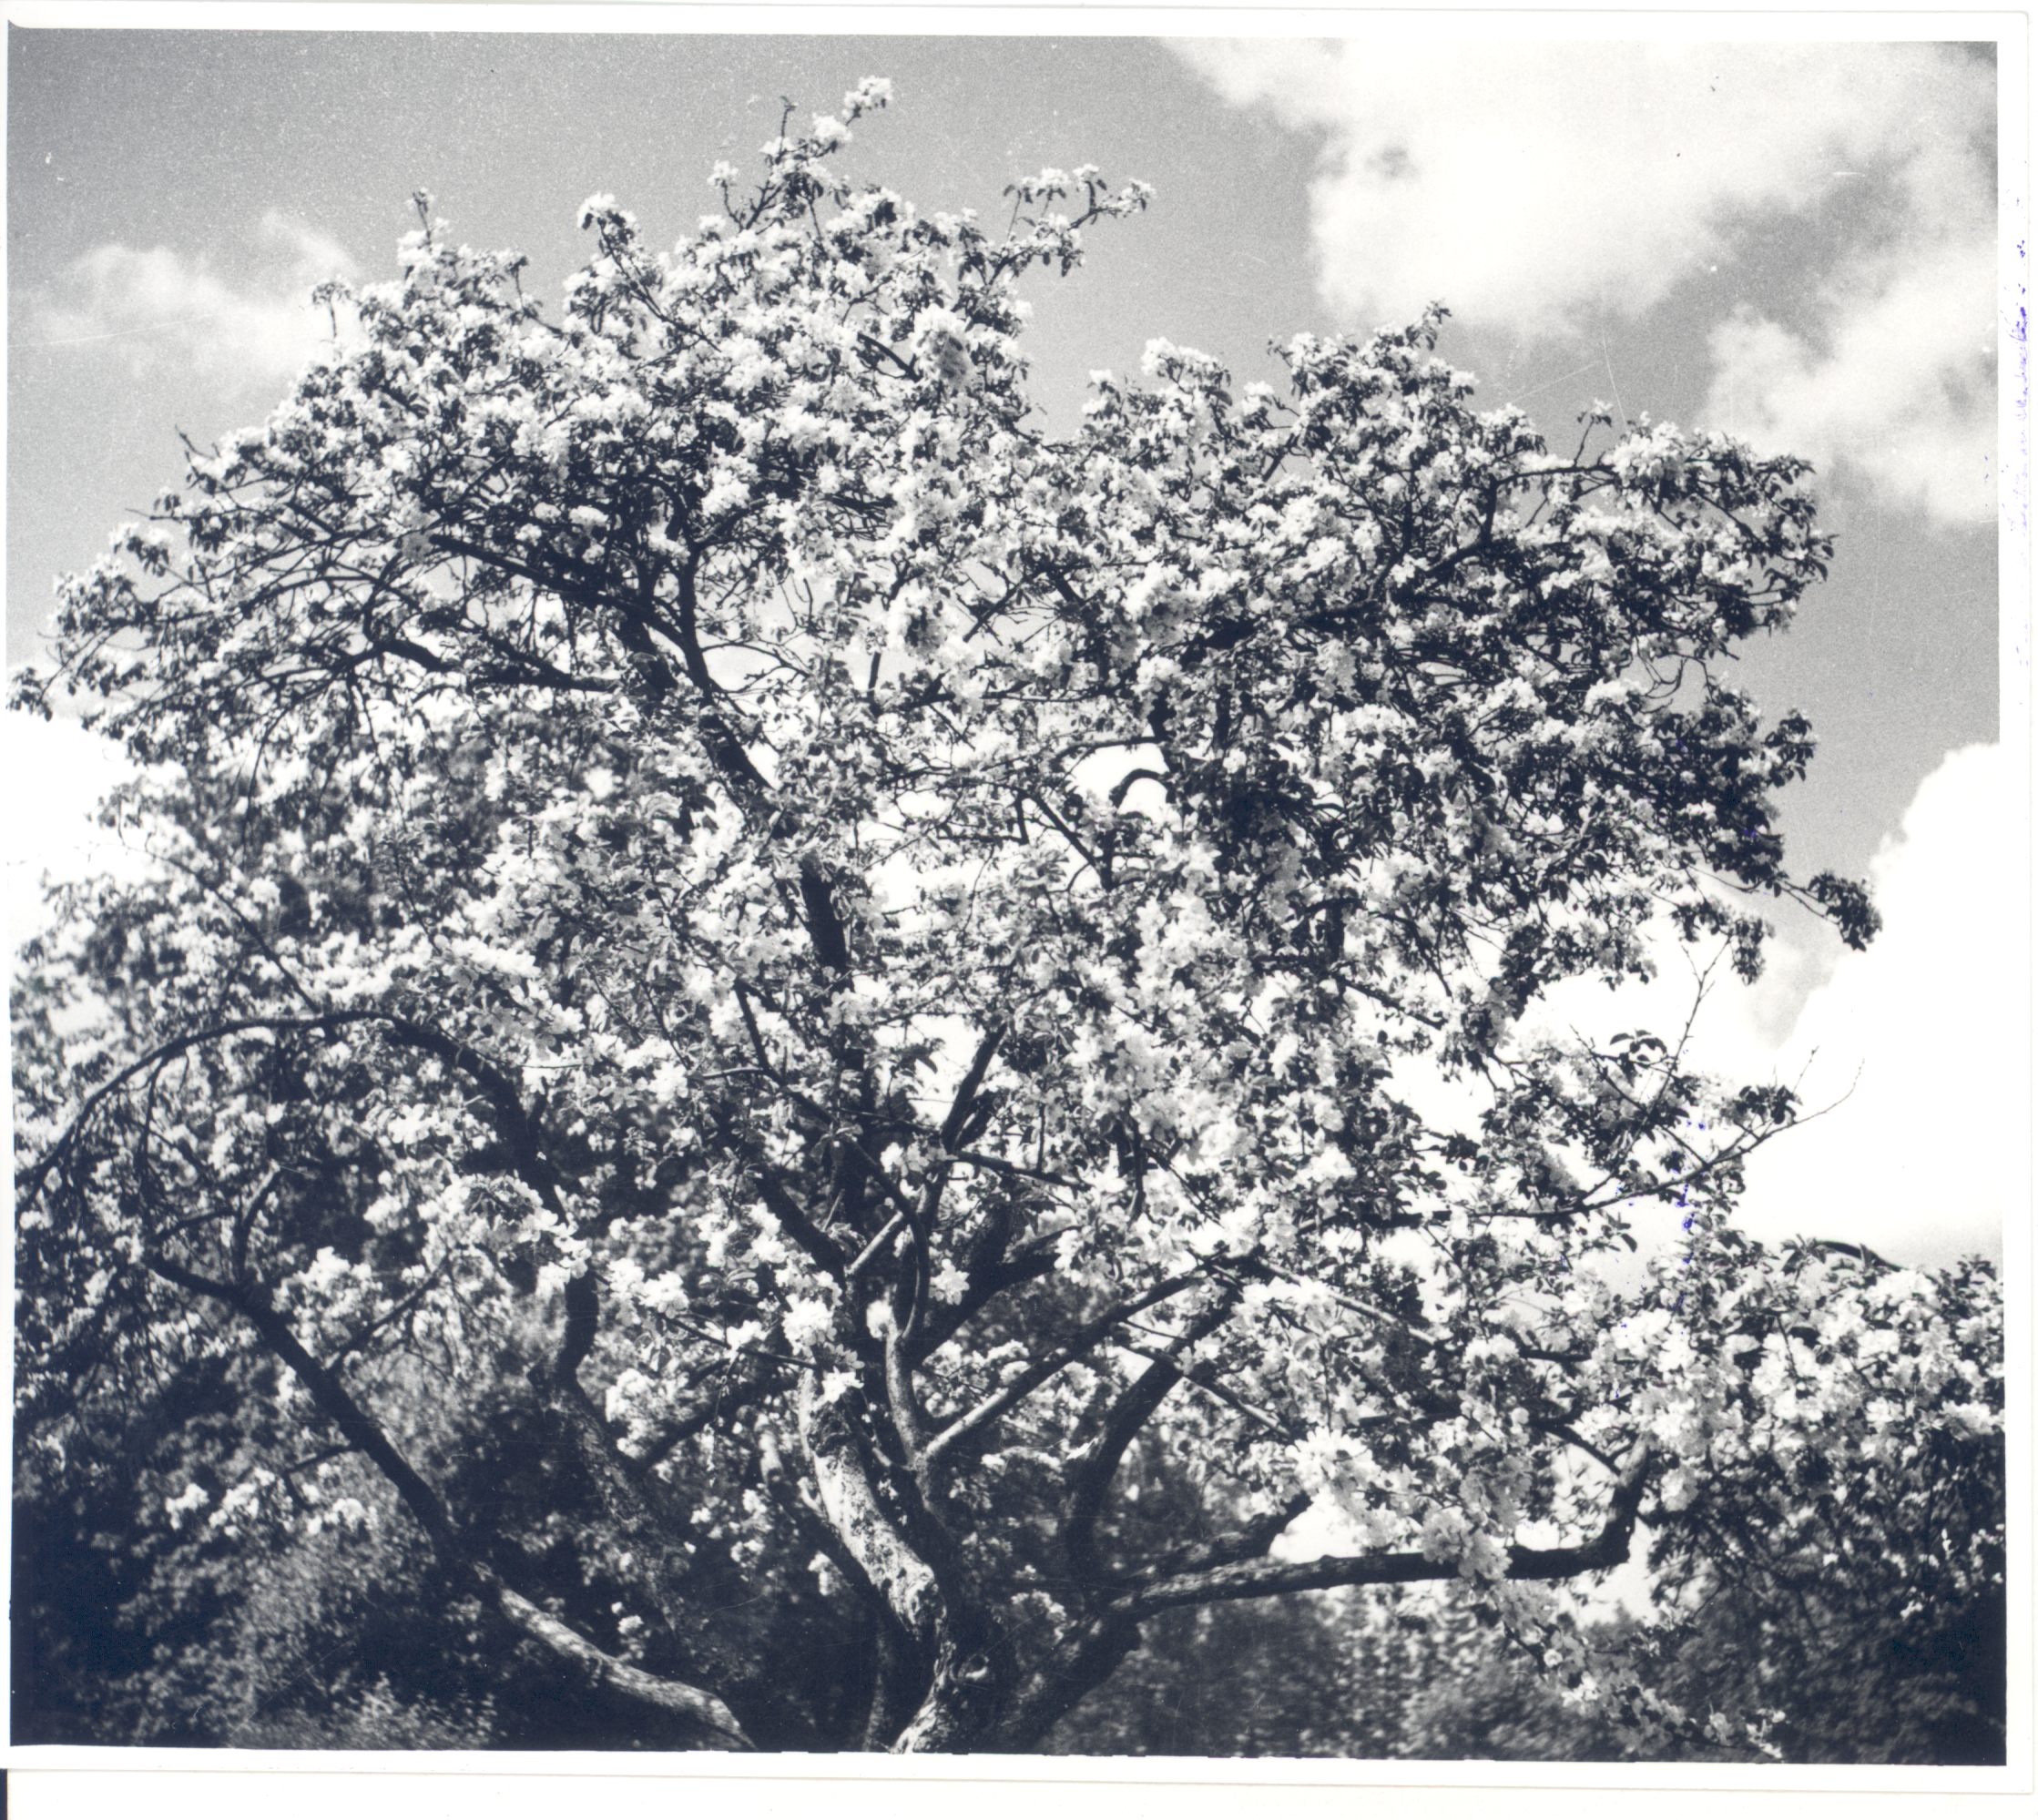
(1019, 888)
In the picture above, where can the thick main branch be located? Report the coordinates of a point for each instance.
(1263, 1579)
(338, 1405)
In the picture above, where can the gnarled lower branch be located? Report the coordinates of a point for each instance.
(338, 1405)
(1248, 1541)
(1263, 1579)
(605, 1671)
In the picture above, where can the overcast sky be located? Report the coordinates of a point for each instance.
(1796, 242)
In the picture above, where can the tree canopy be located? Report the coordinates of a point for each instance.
(760, 972)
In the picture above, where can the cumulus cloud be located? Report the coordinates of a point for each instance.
(149, 306)
(50, 831)
(1926, 1034)
(1548, 187)
(1912, 1053)
(1540, 183)
(1898, 382)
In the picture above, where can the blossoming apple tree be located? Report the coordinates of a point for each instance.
(871, 967)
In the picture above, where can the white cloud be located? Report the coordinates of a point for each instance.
(1899, 383)
(147, 306)
(1538, 184)
(1916, 1047)
(61, 773)
(1547, 187)
(1927, 1034)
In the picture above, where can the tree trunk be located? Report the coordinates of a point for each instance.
(968, 1696)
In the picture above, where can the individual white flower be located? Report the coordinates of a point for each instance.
(806, 1320)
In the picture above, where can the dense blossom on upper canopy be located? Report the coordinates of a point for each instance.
(707, 845)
